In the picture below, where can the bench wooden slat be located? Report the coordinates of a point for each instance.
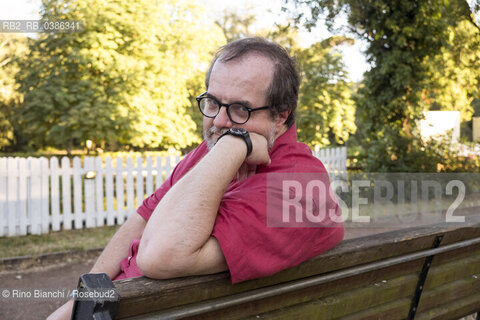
(455, 254)
(449, 271)
(456, 310)
(349, 284)
(449, 293)
(352, 303)
(395, 310)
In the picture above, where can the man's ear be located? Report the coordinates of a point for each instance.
(282, 117)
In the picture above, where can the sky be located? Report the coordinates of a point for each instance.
(268, 12)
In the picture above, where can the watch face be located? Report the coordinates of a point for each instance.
(238, 131)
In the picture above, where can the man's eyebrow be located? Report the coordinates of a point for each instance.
(210, 95)
(244, 102)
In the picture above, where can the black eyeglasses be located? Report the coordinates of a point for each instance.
(237, 112)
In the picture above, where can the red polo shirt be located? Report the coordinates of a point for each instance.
(252, 247)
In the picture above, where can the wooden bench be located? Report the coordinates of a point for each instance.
(423, 273)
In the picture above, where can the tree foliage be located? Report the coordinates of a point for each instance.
(11, 46)
(236, 25)
(454, 73)
(121, 80)
(326, 109)
(412, 53)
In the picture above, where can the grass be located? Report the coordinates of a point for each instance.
(56, 241)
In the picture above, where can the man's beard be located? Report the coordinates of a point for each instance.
(209, 137)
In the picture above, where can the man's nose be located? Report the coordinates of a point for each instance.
(222, 120)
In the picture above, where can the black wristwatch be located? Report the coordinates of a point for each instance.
(239, 132)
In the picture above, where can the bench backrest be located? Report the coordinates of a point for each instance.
(426, 273)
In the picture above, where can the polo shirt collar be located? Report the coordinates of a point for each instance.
(288, 137)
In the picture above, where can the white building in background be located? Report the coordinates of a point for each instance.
(476, 129)
(439, 123)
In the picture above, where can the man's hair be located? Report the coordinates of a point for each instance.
(282, 94)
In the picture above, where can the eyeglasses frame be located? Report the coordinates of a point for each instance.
(227, 106)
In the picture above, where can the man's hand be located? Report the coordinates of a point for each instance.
(62, 313)
(109, 260)
(259, 153)
(258, 156)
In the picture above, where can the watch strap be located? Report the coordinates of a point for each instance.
(244, 134)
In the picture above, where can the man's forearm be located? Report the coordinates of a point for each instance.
(117, 249)
(182, 222)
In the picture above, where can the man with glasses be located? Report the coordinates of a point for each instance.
(210, 215)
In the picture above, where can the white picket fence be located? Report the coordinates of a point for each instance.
(38, 195)
(334, 160)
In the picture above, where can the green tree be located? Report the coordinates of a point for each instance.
(121, 80)
(11, 46)
(404, 38)
(454, 73)
(196, 86)
(326, 109)
(235, 25)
